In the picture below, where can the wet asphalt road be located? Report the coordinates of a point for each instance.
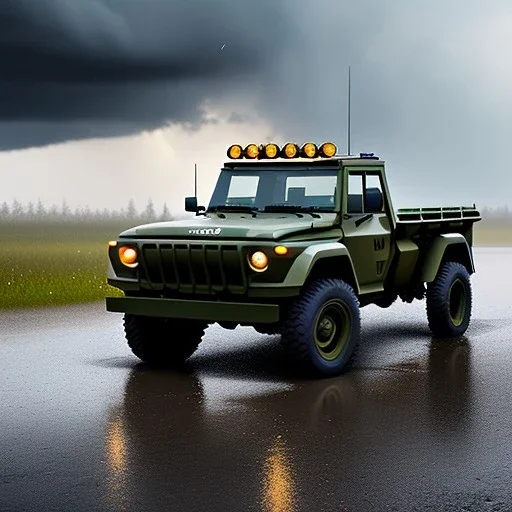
(417, 425)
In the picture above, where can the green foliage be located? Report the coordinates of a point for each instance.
(46, 263)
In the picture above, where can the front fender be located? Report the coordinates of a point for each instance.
(299, 271)
(435, 255)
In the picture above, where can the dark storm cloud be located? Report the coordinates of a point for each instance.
(429, 79)
(132, 63)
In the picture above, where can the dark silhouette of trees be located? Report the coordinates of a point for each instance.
(149, 213)
(131, 211)
(166, 214)
(16, 211)
(40, 209)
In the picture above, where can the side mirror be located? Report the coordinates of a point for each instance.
(191, 204)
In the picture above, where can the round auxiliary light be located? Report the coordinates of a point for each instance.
(290, 150)
(235, 151)
(128, 256)
(281, 250)
(309, 150)
(252, 151)
(271, 150)
(328, 149)
(258, 261)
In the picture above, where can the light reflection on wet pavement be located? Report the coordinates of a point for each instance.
(417, 425)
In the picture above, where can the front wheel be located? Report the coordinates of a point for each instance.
(163, 341)
(321, 330)
(449, 301)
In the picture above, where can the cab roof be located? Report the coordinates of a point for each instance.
(335, 161)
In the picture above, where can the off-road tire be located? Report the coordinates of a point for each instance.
(330, 300)
(163, 341)
(449, 301)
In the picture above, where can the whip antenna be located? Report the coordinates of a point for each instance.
(348, 116)
(195, 180)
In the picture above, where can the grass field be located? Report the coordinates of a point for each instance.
(51, 264)
(65, 263)
(493, 234)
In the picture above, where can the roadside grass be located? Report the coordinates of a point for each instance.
(54, 263)
(493, 234)
(57, 263)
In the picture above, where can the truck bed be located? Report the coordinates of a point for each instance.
(413, 222)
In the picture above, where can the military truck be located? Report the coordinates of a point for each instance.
(294, 241)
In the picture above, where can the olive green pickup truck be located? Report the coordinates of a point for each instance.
(293, 242)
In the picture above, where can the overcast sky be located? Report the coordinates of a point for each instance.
(107, 100)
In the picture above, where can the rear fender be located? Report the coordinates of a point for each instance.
(447, 247)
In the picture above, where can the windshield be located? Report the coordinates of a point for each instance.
(293, 189)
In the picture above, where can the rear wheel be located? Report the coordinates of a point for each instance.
(163, 341)
(321, 330)
(449, 301)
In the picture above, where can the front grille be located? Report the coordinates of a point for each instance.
(193, 268)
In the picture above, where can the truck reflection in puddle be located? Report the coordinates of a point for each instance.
(286, 449)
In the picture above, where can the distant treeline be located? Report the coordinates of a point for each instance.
(39, 212)
(501, 213)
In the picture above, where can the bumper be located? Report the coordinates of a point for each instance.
(195, 309)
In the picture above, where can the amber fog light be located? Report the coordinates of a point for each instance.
(281, 250)
(128, 256)
(258, 261)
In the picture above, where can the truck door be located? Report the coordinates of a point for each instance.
(367, 227)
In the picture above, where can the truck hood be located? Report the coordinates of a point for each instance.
(264, 227)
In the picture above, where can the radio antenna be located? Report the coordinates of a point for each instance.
(348, 116)
(195, 180)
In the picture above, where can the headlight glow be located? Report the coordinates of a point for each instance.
(258, 261)
(128, 256)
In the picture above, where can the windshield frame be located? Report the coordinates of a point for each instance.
(222, 186)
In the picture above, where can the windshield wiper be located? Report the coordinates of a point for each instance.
(296, 208)
(233, 208)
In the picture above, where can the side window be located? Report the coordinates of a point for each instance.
(355, 194)
(374, 197)
(242, 190)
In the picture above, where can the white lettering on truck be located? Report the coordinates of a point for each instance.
(211, 231)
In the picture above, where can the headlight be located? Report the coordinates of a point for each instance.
(258, 261)
(128, 256)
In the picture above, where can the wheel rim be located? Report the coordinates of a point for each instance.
(457, 302)
(332, 329)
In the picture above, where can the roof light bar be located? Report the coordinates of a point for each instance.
(289, 150)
